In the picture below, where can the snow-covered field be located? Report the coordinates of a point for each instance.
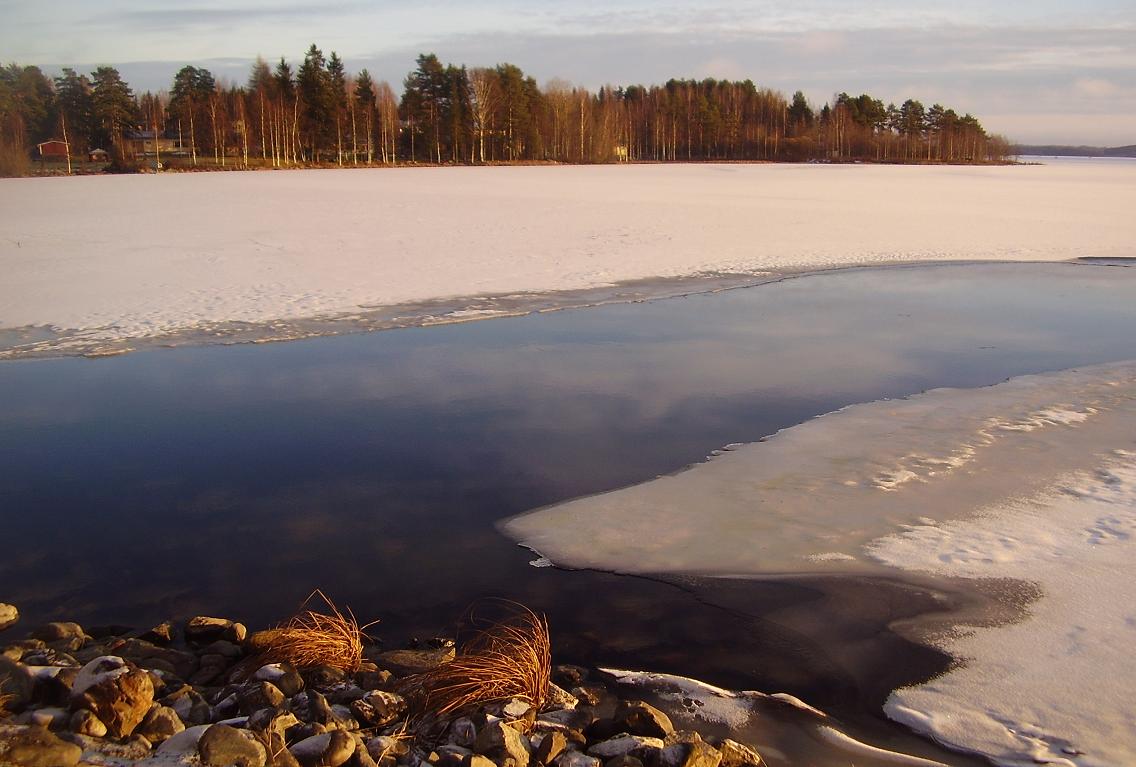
(1033, 479)
(101, 259)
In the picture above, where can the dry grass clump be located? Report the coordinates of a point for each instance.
(313, 638)
(5, 698)
(510, 658)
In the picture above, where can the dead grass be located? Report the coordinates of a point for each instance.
(313, 638)
(510, 658)
(5, 698)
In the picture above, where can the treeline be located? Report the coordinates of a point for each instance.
(320, 114)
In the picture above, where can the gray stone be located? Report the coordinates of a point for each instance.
(626, 743)
(329, 749)
(552, 745)
(8, 615)
(639, 718)
(36, 747)
(202, 629)
(60, 630)
(499, 741)
(119, 700)
(736, 754)
(223, 746)
(86, 723)
(160, 724)
(576, 759)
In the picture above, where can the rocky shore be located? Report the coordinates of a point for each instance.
(196, 692)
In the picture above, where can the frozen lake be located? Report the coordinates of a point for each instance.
(375, 466)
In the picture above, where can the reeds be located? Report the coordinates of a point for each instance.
(511, 658)
(313, 638)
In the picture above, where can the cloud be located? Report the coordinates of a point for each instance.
(1097, 87)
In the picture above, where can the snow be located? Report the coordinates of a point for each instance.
(102, 259)
(1031, 480)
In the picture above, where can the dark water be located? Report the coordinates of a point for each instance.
(235, 480)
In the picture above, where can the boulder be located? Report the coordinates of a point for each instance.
(223, 746)
(499, 742)
(463, 732)
(569, 676)
(638, 718)
(160, 724)
(625, 760)
(202, 630)
(119, 697)
(283, 675)
(84, 722)
(60, 630)
(9, 615)
(378, 708)
(552, 745)
(405, 662)
(736, 754)
(36, 747)
(329, 749)
(559, 698)
(162, 634)
(624, 743)
(477, 760)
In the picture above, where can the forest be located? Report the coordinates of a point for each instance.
(319, 114)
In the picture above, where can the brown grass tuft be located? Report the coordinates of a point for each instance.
(313, 638)
(5, 699)
(511, 658)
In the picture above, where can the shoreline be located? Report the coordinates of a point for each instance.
(38, 342)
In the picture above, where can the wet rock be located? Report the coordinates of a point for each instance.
(640, 718)
(9, 615)
(498, 741)
(160, 724)
(119, 697)
(36, 747)
(403, 662)
(552, 745)
(258, 695)
(736, 754)
(202, 630)
(576, 759)
(16, 682)
(221, 746)
(624, 743)
(60, 630)
(84, 722)
(330, 749)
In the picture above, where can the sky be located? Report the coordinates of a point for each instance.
(1037, 72)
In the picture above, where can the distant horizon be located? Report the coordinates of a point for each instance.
(1036, 72)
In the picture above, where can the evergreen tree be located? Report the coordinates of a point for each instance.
(112, 106)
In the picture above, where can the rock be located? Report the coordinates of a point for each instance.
(463, 732)
(283, 675)
(569, 676)
(221, 746)
(559, 698)
(202, 630)
(498, 741)
(258, 695)
(98, 670)
(552, 745)
(360, 756)
(515, 708)
(576, 759)
(374, 679)
(573, 719)
(120, 700)
(53, 718)
(625, 743)
(160, 724)
(15, 683)
(9, 615)
(477, 760)
(701, 754)
(162, 634)
(224, 648)
(640, 718)
(589, 694)
(736, 754)
(36, 747)
(185, 742)
(378, 708)
(385, 748)
(623, 761)
(322, 677)
(211, 671)
(56, 631)
(86, 723)
(148, 655)
(330, 749)
(414, 661)
(190, 707)
(53, 684)
(278, 753)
